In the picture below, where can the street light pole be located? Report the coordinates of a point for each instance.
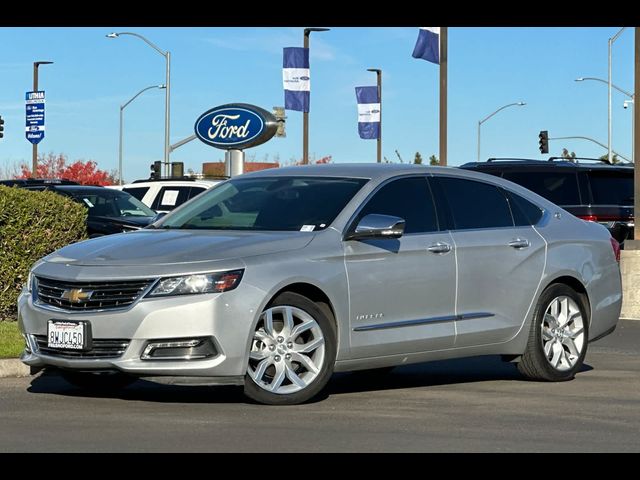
(378, 73)
(122, 107)
(480, 122)
(632, 96)
(167, 97)
(34, 148)
(611, 40)
(305, 115)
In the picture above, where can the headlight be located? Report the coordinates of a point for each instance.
(199, 283)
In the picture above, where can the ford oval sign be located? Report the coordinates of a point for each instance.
(235, 126)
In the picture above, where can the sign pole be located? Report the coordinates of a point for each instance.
(34, 151)
(34, 146)
(443, 96)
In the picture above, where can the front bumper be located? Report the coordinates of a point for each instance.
(226, 318)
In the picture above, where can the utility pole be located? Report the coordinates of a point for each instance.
(34, 148)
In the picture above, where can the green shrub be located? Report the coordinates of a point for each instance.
(32, 225)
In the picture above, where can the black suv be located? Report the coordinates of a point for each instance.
(596, 191)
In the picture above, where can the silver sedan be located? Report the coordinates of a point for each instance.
(274, 280)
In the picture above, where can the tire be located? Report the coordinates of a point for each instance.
(293, 352)
(555, 352)
(102, 382)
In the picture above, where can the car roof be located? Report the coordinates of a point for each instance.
(551, 164)
(78, 188)
(353, 170)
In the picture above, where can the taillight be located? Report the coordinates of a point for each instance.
(616, 248)
(602, 218)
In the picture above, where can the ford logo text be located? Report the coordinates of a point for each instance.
(235, 126)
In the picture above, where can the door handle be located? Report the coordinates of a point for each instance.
(439, 247)
(519, 243)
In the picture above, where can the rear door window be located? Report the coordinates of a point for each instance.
(170, 197)
(195, 191)
(524, 212)
(611, 188)
(559, 187)
(475, 204)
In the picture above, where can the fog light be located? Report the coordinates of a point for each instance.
(179, 349)
(31, 345)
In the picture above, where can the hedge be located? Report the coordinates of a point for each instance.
(32, 225)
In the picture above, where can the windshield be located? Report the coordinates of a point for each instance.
(112, 203)
(271, 203)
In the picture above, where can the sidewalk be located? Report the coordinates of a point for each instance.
(12, 367)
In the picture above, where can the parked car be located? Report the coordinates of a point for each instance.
(276, 279)
(163, 195)
(595, 191)
(109, 211)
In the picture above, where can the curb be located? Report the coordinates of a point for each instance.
(12, 367)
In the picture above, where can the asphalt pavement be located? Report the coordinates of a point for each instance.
(467, 405)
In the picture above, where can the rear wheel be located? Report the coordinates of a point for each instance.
(293, 351)
(558, 337)
(99, 381)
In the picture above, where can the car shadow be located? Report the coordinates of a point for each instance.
(430, 374)
(443, 372)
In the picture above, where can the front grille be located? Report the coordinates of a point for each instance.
(101, 348)
(103, 296)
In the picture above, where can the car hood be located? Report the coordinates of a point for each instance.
(171, 247)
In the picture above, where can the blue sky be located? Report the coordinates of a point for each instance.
(488, 67)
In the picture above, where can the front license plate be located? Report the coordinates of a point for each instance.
(67, 335)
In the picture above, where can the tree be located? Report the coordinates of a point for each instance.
(433, 160)
(55, 166)
(614, 158)
(569, 156)
(417, 159)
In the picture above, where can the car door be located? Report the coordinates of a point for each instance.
(401, 291)
(500, 261)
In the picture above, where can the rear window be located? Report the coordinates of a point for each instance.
(611, 188)
(559, 187)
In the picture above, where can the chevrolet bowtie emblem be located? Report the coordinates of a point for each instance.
(76, 295)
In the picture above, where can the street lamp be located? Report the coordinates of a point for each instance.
(626, 103)
(122, 107)
(615, 87)
(611, 40)
(167, 97)
(34, 148)
(378, 73)
(480, 122)
(305, 115)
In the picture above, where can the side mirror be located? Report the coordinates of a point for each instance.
(157, 217)
(377, 226)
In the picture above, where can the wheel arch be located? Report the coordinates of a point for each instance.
(575, 285)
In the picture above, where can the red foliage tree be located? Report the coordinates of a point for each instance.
(55, 166)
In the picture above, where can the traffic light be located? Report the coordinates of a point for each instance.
(177, 169)
(156, 170)
(1, 127)
(543, 141)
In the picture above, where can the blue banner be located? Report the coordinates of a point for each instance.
(369, 112)
(428, 45)
(34, 127)
(296, 79)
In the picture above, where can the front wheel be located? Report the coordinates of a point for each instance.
(558, 337)
(293, 351)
